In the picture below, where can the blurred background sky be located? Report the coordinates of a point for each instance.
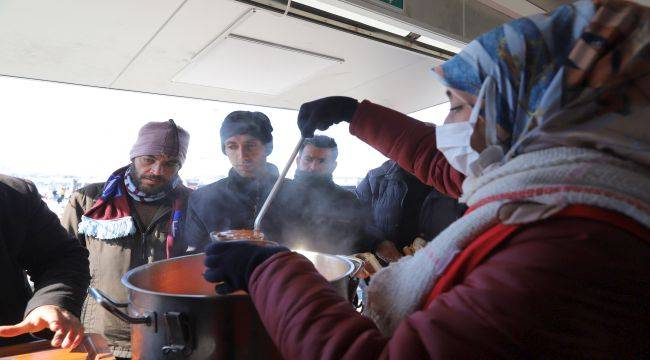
(52, 129)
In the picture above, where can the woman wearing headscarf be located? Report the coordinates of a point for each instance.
(548, 143)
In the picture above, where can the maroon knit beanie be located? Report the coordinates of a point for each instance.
(161, 138)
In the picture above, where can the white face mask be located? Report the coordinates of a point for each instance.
(453, 139)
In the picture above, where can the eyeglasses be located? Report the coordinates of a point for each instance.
(166, 165)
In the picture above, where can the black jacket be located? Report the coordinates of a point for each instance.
(402, 207)
(327, 218)
(232, 203)
(33, 242)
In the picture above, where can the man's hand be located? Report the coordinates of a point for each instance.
(68, 331)
(322, 113)
(387, 251)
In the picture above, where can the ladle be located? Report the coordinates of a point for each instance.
(276, 186)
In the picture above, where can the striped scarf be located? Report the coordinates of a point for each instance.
(110, 217)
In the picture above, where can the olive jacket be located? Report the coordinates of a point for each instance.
(111, 259)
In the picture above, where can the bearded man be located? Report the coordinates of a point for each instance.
(130, 220)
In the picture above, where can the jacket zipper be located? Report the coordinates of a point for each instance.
(144, 247)
(144, 252)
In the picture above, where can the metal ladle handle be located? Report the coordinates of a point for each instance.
(276, 186)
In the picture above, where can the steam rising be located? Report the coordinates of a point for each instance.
(320, 216)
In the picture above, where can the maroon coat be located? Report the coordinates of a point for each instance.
(557, 288)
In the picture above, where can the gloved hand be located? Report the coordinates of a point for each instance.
(322, 113)
(233, 262)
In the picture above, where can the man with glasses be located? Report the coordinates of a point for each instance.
(130, 220)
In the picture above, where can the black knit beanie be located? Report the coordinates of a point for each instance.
(250, 123)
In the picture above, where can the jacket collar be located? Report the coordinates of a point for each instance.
(270, 174)
(305, 179)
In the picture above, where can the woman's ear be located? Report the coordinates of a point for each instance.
(477, 140)
(502, 134)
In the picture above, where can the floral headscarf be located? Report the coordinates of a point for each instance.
(578, 76)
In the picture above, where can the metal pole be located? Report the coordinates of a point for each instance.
(276, 186)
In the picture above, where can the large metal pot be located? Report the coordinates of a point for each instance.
(175, 314)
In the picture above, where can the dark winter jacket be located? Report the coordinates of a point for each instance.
(404, 208)
(437, 212)
(233, 203)
(32, 242)
(328, 219)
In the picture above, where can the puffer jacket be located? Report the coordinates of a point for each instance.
(32, 242)
(404, 208)
(111, 259)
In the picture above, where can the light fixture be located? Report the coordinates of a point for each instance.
(449, 45)
(439, 44)
(353, 16)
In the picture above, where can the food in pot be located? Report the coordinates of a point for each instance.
(242, 234)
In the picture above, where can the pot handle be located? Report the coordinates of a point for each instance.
(356, 262)
(179, 334)
(113, 307)
(354, 280)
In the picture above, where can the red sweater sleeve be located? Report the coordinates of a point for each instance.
(409, 142)
(562, 288)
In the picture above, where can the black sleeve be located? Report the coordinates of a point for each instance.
(372, 235)
(194, 236)
(438, 211)
(367, 235)
(363, 191)
(55, 261)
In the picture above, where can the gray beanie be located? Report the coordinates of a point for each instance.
(161, 138)
(251, 123)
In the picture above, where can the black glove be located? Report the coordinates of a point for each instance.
(233, 262)
(322, 113)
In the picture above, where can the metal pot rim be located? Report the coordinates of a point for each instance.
(130, 286)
